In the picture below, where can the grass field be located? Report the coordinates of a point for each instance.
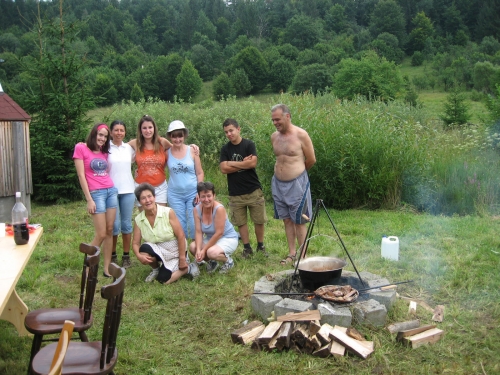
(185, 328)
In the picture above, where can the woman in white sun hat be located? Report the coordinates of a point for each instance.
(185, 172)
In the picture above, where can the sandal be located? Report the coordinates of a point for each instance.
(289, 259)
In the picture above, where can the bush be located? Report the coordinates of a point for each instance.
(417, 59)
(189, 82)
(240, 82)
(222, 87)
(314, 77)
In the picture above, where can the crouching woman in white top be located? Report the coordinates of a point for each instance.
(164, 238)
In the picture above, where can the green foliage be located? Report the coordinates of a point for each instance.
(240, 82)
(315, 77)
(250, 59)
(136, 95)
(372, 77)
(422, 31)
(282, 73)
(386, 45)
(336, 19)
(58, 106)
(456, 111)
(493, 104)
(486, 76)
(302, 32)
(417, 58)
(188, 82)
(222, 87)
(388, 17)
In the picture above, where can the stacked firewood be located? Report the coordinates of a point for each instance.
(412, 334)
(302, 333)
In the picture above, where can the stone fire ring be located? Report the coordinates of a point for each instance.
(371, 310)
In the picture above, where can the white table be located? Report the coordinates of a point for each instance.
(13, 260)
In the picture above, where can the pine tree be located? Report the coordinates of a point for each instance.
(455, 109)
(136, 94)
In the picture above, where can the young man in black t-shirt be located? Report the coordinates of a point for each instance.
(238, 159)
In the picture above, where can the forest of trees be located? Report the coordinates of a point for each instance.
(133, 49)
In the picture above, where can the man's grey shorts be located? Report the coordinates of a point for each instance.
(292, 198)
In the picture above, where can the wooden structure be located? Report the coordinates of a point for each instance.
(15, 156)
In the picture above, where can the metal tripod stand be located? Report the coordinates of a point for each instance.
(305, 245)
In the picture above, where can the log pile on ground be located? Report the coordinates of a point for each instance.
(410, 333)
(302, 333)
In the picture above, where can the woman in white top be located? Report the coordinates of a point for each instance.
(121, 157)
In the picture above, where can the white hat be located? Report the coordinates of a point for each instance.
(175, 125)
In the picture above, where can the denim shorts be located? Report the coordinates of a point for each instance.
(104, 199)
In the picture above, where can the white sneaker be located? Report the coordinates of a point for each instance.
(227, 266)
(193, 270)
(153, 275)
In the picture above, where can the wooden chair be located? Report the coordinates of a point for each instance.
(50, 321)
(97, 357)
(61, 349)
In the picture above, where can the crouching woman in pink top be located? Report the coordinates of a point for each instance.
(91, 162)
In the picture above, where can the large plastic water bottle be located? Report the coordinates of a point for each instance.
(390, 247)
(20, 222)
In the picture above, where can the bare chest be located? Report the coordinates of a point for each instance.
(287, 146)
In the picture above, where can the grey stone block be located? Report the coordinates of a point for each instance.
(263, 304)
(370, 312)
(367, 276)
(263, 286)
(377, 282)
(291, 305)
(334, 315)
(386, 298)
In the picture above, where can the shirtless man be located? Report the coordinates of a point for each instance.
(290, 184)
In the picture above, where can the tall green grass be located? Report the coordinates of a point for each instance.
(369, 154)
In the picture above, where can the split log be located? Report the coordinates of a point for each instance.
(322, 352)
(313, 342)
(337, 349)
(351, 344)
(414, 331)
(300, 316)
(438, 313)
(403, 326)
(272, 345)
(324, 334)
(250, 336)
(300, 334)
(353, 332)
(314, 327)
(236, 333)
(412, 309)
(255, 346)
(268, 333)
(427, 337)
(283, 335)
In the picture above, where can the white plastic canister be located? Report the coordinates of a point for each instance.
(390, 247)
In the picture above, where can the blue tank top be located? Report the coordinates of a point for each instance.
(209, 229)
(182, 174)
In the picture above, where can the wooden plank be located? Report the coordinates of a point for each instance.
(421, 303)
(314, 327)
(300, 316)
(269, 332)
(283, 335)
(438, 313)
(337, 349)
(324, 334)
(246, 328)
(351, 344)
(367, 344)
(403, 326)
(250, 336)
(414, 331)
(427, 337)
